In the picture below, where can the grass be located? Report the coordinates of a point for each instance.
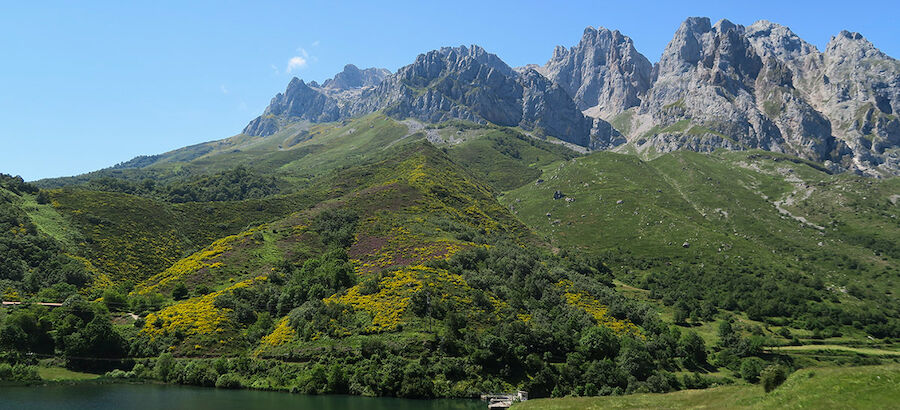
(869, 351)
(867, 387)
(506, 159)
(50, 222)
(62, 374)
(622, 122)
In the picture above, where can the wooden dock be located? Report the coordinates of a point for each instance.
(504, 400)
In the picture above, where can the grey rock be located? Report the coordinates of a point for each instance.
(298, 102)
(603, 73)
(352, 77)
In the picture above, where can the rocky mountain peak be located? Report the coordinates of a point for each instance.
(352, 77)
(685, 48)
(603, 73)
(852, 46)
(777, 41)
(724, 25)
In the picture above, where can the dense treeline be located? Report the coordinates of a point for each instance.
(233, 185)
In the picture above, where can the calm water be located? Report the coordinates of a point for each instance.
(145, 396)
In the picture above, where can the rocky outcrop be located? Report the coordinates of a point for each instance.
(352, 77)
(859, 91)
(298, 102)
(603, 73)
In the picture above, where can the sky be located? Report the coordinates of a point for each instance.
(86, 85)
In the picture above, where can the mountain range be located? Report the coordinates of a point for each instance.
(445, 230)
(715, 86)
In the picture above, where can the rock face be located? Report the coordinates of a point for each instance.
(715, 86)
(735, 87)
(298, 102)
(859, 91)
(352, 77)
(466, 83)
(705, 96)
(604, 73)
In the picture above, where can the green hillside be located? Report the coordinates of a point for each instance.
(759, 233)
(394, 258)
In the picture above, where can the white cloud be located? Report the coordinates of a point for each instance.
(296, 63)
(224, 89)
(275, 69)
(315, 43)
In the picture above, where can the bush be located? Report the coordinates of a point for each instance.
(180, 292)
(164, 365)
(751, 367)
(229, 381)
(772, 377)
(18, 373)
(119, 374)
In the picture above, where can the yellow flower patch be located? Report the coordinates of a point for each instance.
(10, 295)
(599, 311)
(388, 306)
(282, 334)
(194, 316)
(191, 264)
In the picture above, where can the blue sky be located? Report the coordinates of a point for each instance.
(84, 85)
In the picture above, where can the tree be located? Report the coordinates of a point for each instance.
(634, 359)
(681, 313)
(599, 342)
(114, 301)
(751, 367)
(164, 365)
(694, 348)
(42, 198)
(180, 292)
(24, 332)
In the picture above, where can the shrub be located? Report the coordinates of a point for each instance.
(119, 374)
(19, 373)
(164, 365)
(772, 377)
(229, 381)
(751, 367)
(180, 292)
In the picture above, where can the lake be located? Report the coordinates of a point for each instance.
(168, 397)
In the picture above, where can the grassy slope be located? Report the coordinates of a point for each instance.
(720, 204)
(831, 388)
(130, 237)
(501, 157)
(295, 153)
(724, 206)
